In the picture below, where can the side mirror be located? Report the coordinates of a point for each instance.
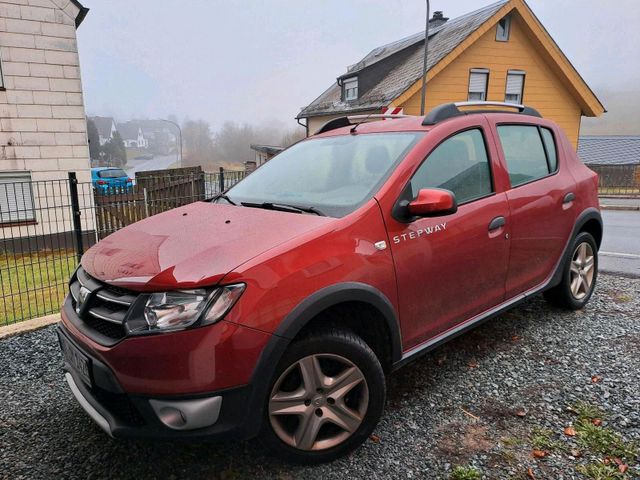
(433, 202)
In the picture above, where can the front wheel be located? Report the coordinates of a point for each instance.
(579, 275)
(326, 398)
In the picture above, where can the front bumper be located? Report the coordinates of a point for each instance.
(120, 414)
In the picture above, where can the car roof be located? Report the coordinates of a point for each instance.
(412, 123)
(100, 169)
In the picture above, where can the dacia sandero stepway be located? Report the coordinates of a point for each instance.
(278, 308)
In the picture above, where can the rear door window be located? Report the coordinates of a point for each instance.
(112, 173)
(459, 164)
(526, 154)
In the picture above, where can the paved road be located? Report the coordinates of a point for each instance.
(159, 162)
(620, 250)
(626, 202)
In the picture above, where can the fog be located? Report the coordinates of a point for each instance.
(259, 62)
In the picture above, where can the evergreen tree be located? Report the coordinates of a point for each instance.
(94, 140)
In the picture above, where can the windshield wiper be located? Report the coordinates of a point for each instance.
(284, 207)
(224, 197)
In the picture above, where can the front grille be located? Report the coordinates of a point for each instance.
(101, 307)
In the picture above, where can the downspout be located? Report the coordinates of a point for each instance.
(306, 126)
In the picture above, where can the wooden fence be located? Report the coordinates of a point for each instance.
(153, 192)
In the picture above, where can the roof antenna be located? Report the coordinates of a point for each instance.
(355, 127)
(424, 67)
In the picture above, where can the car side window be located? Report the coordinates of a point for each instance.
(525, 154)
(459, 164)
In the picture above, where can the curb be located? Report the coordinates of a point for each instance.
(28, 325)
(633, 208)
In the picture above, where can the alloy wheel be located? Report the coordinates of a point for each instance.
(318, 402)
(582, 270)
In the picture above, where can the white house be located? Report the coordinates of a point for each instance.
(43, 132)
(106, 127)
(132, 135)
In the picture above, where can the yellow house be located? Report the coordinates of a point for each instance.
(498, 53)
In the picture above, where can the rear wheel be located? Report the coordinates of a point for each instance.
(579, 275)
(326, 398)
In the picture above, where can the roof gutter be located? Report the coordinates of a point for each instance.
(81, 14)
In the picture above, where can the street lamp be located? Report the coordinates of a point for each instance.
(424, 66)
(180, 132)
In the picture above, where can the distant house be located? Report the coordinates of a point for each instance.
(498, 53)
(264, 153)
(106, 127)
(609, 150)
(161, 136)
(132, 135)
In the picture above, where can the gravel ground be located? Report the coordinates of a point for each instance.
(485, 400)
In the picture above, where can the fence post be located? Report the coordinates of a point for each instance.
(75, 213)
(146, 202)
(221, 179)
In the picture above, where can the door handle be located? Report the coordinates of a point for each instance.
(568, 198)
(496, 223)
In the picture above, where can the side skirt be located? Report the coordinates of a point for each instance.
(450, 334)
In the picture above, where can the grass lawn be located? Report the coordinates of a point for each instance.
(33, 284)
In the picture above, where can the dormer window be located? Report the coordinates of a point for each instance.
(350, 86)
(504, 26)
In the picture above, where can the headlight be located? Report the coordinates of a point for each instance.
(177, 310)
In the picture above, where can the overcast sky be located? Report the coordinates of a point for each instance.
(258, 61)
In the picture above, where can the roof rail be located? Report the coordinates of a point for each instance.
(354, 120)
(450, 110)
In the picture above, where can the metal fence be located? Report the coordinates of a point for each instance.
(45, 226)
(618, 179)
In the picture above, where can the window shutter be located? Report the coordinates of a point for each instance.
(478, 84)
(515, 82)
(16, 199)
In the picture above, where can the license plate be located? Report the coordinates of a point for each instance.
(76, 360)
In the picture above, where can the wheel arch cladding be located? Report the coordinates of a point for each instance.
(590, 220)
(349, 293)
(305, 312)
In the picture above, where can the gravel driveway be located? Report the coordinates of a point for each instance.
(486, 400)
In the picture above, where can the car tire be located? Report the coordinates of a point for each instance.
(579, 275)
(327, 378)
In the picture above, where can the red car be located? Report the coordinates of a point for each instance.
(279, 308)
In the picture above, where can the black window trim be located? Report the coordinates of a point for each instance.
(555, 172)
(507, 18)
(483, 133)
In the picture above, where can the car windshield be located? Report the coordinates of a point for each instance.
(333, 175)
(112, 173)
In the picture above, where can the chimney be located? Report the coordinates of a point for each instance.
(437, 19)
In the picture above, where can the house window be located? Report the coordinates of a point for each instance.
(504, 26)
(350, 86)
(478, 80)
(515, 86)
(16, 197)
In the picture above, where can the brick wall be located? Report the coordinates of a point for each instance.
(42, 116)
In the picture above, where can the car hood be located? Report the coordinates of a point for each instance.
(191, 246)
